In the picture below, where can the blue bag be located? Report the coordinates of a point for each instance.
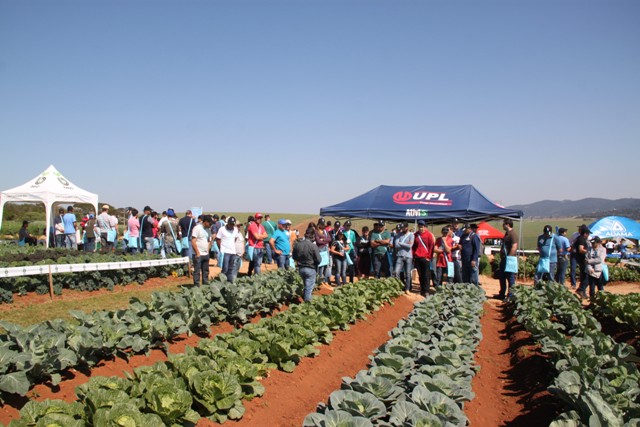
(249, 252)
(605, 271)
(512, 264)
(324, 258)
(450, 269)
(111, 235)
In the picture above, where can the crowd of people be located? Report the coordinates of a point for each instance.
(334, 253)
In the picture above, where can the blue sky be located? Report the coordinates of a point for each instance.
(289, 106)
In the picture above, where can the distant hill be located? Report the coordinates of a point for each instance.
(590, 208)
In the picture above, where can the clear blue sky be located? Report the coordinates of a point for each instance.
(289, 106)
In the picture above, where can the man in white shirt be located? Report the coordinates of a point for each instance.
(201, 243)
(226, 239)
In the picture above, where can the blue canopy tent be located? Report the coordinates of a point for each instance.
(613, 227)
(433, 204)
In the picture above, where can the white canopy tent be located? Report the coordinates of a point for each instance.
(49, 187)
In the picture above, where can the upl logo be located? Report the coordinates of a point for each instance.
(421, 198)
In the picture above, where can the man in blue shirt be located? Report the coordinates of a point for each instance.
(563, 255)
(70, 225)
(548, 247)
(470, 245)
(281, 245)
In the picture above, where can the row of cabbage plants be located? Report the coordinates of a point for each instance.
(422, 375)
(596, 377)
(624, 309)
(43, 352)
(82, 281)
(212, 379)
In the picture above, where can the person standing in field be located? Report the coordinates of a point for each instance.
(364, 254)
(548, 247)
(169, 230)
(595, 260)
(70, 226)
(90, 234)
(404, 255)
(240, 249)
(339, 249)
(281, 245)
(270, 227)
(108, 229)
(509, 248)
(186, 225)
(470, 245)
(323, 240)
(580, 248)
(563, 255)
(256, 236)
(380, 241)
(133, 231)
(443, 250)
(147, 225)
(456, 234)
(423, 244)
(226, 239)
(58, 229)
(307, 257)
(352, 238)
(200, 245)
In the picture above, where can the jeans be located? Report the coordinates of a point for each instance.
(470, 274)
(283, 261)
(90, 245)
(60, 241)
(200, 268)
(457, 271)
(593, 283)
(506, 279)
(148, 244)
(572, 273)
(548, 276)
(256, 262)
(228, 265)
(70, 241)
(105, 245)
(380, 265)
(404, 265)
(187, 250)
(308, 275)
(341, 271)
(441, 271)
(424, 274)
(169, 247)
(584, 277)
(269, 253)
(562, 269)
(237, 263)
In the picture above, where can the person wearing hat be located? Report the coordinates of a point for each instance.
(404, 256)
(307, 257)
(595, 260)
(580, 249)
(563, 255)
(200, 246)
(281, 245)
(226, 239)
(548, 247)
(58, 227)
(509, 248)
(186, 224)
(256, 236)
(169, 230)
(380, 241)
(470, 246)
(108, 225)
(24, 237)
(423, 244)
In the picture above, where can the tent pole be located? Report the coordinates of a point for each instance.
(521, 248)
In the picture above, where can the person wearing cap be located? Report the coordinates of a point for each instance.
(404, 256)
(256, 234)
(509, 248)
(307, 257)
(470, 245)
(563, 255)
(58, 227)
(352, 238)
(70, 226)
(108, 226)
(200, 246)
(24, 237)
(548, 247)
(147, 225)
(270, 227)
(226, 240)
(380, 240)
(580, 248)
(423, 244)
(281, 245)
(595, 260)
